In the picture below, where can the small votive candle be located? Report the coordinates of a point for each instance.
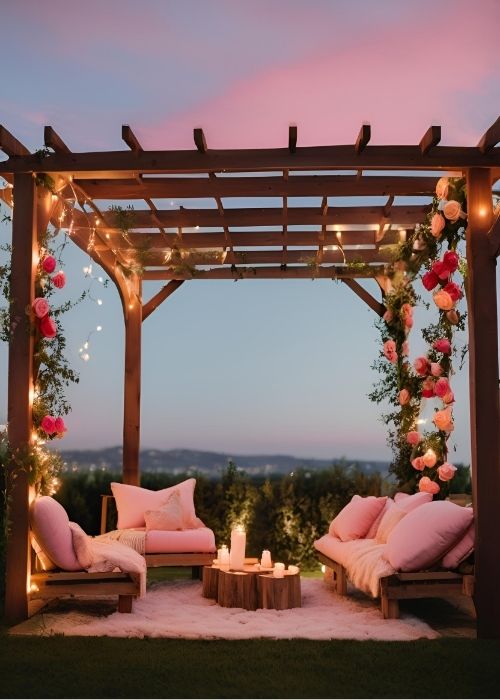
(279, 570)
(265, 560)
(224, 558)
(219, 551)
(292, 569)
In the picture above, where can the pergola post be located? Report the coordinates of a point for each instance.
(132, 310)
(484, 400)
(20, 391)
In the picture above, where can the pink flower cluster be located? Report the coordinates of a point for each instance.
(390, 352)
(49, 264)
(51, 425)
(40, 306)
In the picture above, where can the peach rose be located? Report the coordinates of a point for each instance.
(59, 279)
(442, 188)
(390, 351)
(40, 307)
(443, 300)
(452, 210)
(430, 458)
(436, 369)
(404, 397)
(437, 225)
(425, 484)
(446, 471)
(418, 464)
(421, 365)
(452, 316)
(443, 420)
(449, 397)
(48, 425)
(47, 327)
(413, 437)
(442, 387)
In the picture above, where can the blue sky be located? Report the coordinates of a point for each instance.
(268, 366)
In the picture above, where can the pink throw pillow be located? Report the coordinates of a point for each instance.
(50, 525)
(81, 545)
(421, 538)
(168, 517)
(372, 532)
(388, 523)
(461, 550)
(354, 521)
(409, 503)
(133, 501)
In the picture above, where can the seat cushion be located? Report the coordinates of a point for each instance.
(175, 541)
(341, 552)
(50, 525)
(133, 501)
(355, 520)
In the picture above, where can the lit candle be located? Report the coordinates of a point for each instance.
(223, 557)
(222, 549)
(279, 570)
(266, 562)
(238, 542)
(292, 569)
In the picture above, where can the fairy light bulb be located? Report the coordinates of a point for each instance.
(86, 345)
(99, 302)
(85, 357)
(99, 329)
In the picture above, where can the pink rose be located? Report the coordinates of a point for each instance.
(449, 397)
(453, 290)
(440, 269)
(437, 225)
(404, 397)
(452, 210)
(388, 316)
(429, 458)
(452, 317)
(443, 420)
(442, 188)
(421, 365)
(413, 437)
(48, 425)
(59, 425)
(418, 464)
(405, 348)
(390, 351)
(436, 369)
(443, 300)
(451, 260)
(59, 279)
(442, 345)
(430, 280)
(40, 307)
(49, 264)
(47, 327)
(425, 484)
(442, 387)
(428, 388)
(446, 471)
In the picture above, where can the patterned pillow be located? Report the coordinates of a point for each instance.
(168, 517)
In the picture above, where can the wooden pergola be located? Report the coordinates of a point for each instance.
(276, 242)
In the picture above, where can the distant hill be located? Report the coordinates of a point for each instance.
(209, 463)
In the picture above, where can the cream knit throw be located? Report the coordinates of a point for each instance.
(133, 538)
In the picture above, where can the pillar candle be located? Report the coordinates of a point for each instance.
(224, 558)
(266, 561)
(279, 570)
(238, 542)
(292, 569)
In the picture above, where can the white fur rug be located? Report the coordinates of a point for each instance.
(177, 609)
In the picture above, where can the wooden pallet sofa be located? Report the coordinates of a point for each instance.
(69, 563)
(166, 519)
(409, 547)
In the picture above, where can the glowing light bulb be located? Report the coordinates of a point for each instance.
(85, 345)
(99, 328)
(100, 279)
(197, 228)
(130, 306)
(97, 222)
(107, 235)
(85, 357)
(80, 351)
(99, 302)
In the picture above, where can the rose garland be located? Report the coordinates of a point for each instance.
(405, 386)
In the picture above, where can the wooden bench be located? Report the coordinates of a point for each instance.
(404, 586)
(195, 560)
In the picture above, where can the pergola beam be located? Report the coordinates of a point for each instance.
(494, 236)
(98, 164)
(281, 272)
(361, 292)
(53, 140)
(430, 139)
(364, 136)
(131, 139)
(292, 138)
(490, 138)
(10, 145)
(159, 298)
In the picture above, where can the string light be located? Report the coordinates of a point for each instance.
(83, 351)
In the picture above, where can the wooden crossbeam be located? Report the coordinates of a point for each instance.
(53, 140)
(118, 163)
(269, 186)
(10, 145)
(363, 139)
(159, 298)
(200, 141)
(363, 294)
(292, 138)
(385, 219)
(490, 138)
(131, 139)
(430, 139)
(280, 272)
(494, 236)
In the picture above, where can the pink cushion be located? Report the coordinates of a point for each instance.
(335, 549)
(354, 521)
(392, 517)
(168, 517)
(461, 550)
(46, 563)
(370, 535)
(133, 501)
(175, 541)
(81, 545)
(50, 525)
(409, 503)
(421, 538)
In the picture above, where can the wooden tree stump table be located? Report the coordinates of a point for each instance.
(279, 593)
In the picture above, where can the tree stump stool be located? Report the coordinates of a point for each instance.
(279, 593)
(210, 581)
(237, 589)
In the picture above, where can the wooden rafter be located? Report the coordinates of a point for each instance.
(10, 145)
(363, 294)
(292, 138)
(430, 139)
(490, 138)
(53, 140)
(159, 298)
(363, 139)
(385, 219)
